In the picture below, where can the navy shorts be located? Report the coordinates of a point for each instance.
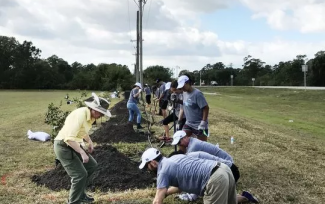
(198, 133)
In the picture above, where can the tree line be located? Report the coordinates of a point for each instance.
(288, 73)
(21, 67)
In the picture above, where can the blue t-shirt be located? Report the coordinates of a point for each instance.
(133, 99)
(193, 104)
(189, 174)
(204, 155)
(196, 145)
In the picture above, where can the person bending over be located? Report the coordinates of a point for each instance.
(68, 146)
(210, 179)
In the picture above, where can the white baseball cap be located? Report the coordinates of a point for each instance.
(138, 84)
(178, 136)
(181, 81)
(167, 86)
(149, 155)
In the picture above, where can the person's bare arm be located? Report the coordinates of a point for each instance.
(205, 113)
(160, 196)
(172, 190)
(76, 146)
(90, 143)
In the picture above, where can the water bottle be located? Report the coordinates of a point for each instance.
(232, 140)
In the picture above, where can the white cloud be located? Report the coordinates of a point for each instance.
(95, 31)
(307, 16)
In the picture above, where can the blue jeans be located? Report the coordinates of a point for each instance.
(133, 108)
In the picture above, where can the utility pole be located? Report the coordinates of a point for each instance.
(140, 40)
(138, 44)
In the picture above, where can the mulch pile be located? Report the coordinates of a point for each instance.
(115, 170)
(118, 129)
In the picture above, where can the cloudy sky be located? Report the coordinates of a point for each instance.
(184, 33)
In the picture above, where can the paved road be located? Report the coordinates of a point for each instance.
(273, 87)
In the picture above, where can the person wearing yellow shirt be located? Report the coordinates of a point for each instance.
(68, 146)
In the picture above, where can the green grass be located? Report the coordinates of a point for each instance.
(275, 107)
(279, 161)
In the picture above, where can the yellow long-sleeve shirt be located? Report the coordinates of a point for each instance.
(76, 126)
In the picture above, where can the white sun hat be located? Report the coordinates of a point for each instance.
(178, 136)
(138, 84)
(181, 81)
(167, 86)
(149, 155)
(98, 104)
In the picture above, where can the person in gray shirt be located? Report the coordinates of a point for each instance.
(195, 108)
(191, 144)
(176, 94)
(245, 197)
(148, 94)
(162, 98)
(210, 179)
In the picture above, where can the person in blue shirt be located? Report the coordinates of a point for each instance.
(210, 179)
(132, 104)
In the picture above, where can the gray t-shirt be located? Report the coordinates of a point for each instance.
(133, 99)
(193, 104)
(147, 90)
(204, 155)
(162, 88)
(178, 106)
(166, 94)
(189, 174)
(196, 145)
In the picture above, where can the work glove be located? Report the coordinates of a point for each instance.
(179, 123)
(203, 125)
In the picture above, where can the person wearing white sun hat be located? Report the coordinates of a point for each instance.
(132, 104)
(68, 146)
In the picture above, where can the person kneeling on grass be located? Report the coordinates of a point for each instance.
(210, 179)
(132, 104)
(78, 163)
(245, 197)
(176, 97)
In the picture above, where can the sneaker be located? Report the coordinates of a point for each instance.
(139, 127)
(188, 197)
(250, 197)
(87, 199)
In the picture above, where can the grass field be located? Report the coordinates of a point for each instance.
(280, 161)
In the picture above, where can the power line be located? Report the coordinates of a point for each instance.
(129, 20)
(148, 14)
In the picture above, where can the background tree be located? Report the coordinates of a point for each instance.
(152, 73)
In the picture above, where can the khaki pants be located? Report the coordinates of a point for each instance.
(79, 172)
(221, 187)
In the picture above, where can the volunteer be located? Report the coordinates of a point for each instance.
(69, 146)
(132, 104)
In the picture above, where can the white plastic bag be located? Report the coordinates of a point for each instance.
(40, 136)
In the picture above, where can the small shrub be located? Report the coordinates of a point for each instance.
(55, 117)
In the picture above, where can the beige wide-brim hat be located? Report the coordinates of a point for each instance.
(98, 104)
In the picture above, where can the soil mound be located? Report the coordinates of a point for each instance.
(118, 129)
(115, 172)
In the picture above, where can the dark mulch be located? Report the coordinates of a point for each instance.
(115, 172)
(118, 129)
